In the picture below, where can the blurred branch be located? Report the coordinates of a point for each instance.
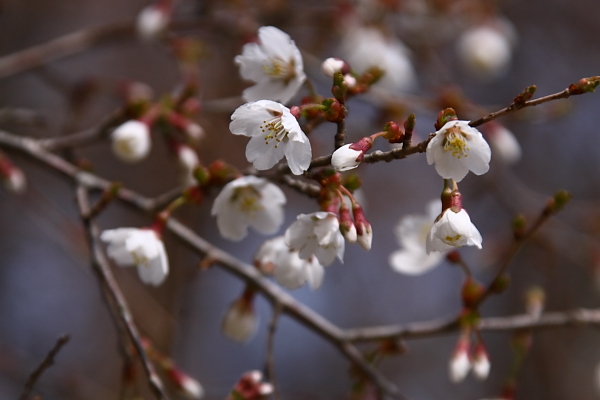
(102, 266)
(271, 351)
(46, 363)
(61, 47)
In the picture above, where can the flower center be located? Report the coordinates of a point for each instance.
(453, 239)
(456, 142)
(280, 69)
(247, 199)
(140, 258)
(274, 129)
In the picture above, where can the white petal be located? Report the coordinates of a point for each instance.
(412, 262)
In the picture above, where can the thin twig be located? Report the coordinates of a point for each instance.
(46, 363)
(102, 266)
(271, 376)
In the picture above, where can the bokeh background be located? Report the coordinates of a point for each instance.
(47, 287)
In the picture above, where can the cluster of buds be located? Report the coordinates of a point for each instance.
(251, 387)
(466, 359)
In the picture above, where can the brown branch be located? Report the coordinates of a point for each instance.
(271, 376)
(46, 363)
(102, 266)
(61, 47)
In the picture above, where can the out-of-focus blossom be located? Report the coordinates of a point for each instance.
(248, 201)
(481, 362)
(241, 320)
(411, 232)
(460, 363)
(131, 141)
(458, 148)
(275, 64)
(140, 247)
(317, 234)
(188, 159)
(274, 133)
(367, 47)
(345, 158)
(503, 141)
(152, 20)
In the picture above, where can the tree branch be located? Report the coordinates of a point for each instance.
(46, 363)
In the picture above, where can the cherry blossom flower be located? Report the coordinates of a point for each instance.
(485, 51)
(368, 47)
(458, 148)
(289, 269)
(274, 133)
(140, 247)
(241, 321)
(317, 234)
(503, 141)
(188, 159)
(275, 64)
(460, 363)
(345, 158)
(153, 20)
(248, 201)
(332, 65)
(131, 141)
(16, 181)
(452, 229)
(411, 232)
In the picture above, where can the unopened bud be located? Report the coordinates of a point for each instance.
(332, 65)
(460, 363)
(445, 116)
(472, 292)
(527, 95)
(241, 321)
(500, 284)
(393, 132)
(334, 110)
(481, 362)
(585, 85)
(346, 225)
(519, 226)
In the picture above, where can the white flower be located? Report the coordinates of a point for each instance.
(411, 233)
(188, 159)
(368, 47)
(452, 229)
(504, 142)
(332, 65)
(140, 247)
(289, 269)
(248, 200)
(189, 387)
(458, 148)
(485, 51)
(460, 365)
(275, 133)
(240, 321)
(15, 180)
(345, 158)
(152, 21)
(275, 64)
(131, 141)
(316, 234)
(481, 363)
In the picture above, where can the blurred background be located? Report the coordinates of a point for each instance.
(47, 287)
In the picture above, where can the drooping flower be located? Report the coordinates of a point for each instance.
(274, 133)
(350, 155)
(131, 141)
(289, 269)
(458, 148)
(188, 159)
(368, 47)
(248, 201)
(317, 234)
(140, 247)
(452, 229)
(275, 64)
(241, 320)
(411, 232)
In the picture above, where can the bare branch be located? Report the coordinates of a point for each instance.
(46, 363)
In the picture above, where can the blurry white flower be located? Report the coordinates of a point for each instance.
(345, 158)
(275, 64)
(15, 180)
(460, 363)
(289, 269)
(504, 143)
(368, 47)
(481, 362)
(317, 234)
(452, 229)
(485, 51)
(131, 141)
(350, 80)
(140, 247)
(240, 321)
(152, 21)
(248, 201)
(458, 148)
(188, 386)
(274, 133)
(332, 65)
(411, 233)
(188, 159)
